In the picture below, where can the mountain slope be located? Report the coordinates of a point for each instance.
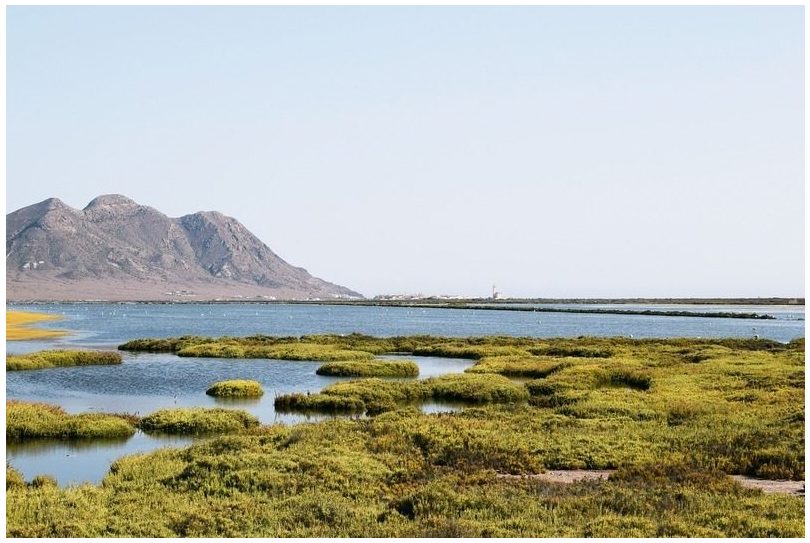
(117, 249)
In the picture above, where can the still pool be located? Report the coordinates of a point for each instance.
(144, 383)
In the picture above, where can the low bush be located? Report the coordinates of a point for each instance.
(574, 352)
(632, 379)
(43, 481)
(36, 420)
(518, 366)
(14, 478)
(288, 351)
(163, 345)
(56, 359)
(666, 471)
(325, 403)
(236, 388)
(476, 389)
(198, 420)
(371, 368)
(543, 393)
(380, 392)
(461, 349)
(376, 395)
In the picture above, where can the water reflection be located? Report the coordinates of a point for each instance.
(144, 383)
(236, 403)
(77, 461)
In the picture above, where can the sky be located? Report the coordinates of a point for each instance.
(552, 151)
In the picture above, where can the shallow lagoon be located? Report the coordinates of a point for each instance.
(109, 325)
(147, 382)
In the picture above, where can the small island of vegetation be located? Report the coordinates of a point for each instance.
(268, 347)
(26, 420)
(370, 368)
(236, 388)
(376, 395)
(197, 420)
(57, 359)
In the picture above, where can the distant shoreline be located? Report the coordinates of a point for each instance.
(482, 304)
(799, 302)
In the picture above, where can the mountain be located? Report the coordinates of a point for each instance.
(116, 249)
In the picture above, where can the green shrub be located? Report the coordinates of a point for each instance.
(163, 345)
(375, 390)
(288, 351)
(543, 393)
(459, 349)
(518, 366)
(236, 388)
(371, 368)
(668, 471)
(42, 481)
(198, 420)
(35, 420)
(14, 478)
(54, 359)
(632, 379)
(326, 403)
(577, 352)
(476, 388)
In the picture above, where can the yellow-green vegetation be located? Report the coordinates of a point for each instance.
(13, 478)
(250, 347)
(165, 345)
(519, 366)
(577, 352)
(376, 395)
(476, 389)
(401, 474)
(198, 420)
(370, 368)
(57, 359)
(19, 326)
(236, 388)
(292, 351)
(470, 347)
(675, 417)
(36, 420)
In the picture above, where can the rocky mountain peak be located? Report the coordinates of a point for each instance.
(130, 251)
(54, 203)
(110, 200)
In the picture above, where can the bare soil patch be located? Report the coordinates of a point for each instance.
(793, 488)
(564, 476)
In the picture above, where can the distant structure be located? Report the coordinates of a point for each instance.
(495, 294)
(420, 296)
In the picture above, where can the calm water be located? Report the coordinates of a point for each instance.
(73, 462)
(146, 382)
(112, 324)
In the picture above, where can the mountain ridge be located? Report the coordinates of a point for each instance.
(116, 249)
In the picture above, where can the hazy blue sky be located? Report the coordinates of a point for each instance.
(592, 151)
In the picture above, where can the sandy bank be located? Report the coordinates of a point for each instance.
(19, 326)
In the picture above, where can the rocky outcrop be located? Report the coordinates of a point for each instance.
(117, 249)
